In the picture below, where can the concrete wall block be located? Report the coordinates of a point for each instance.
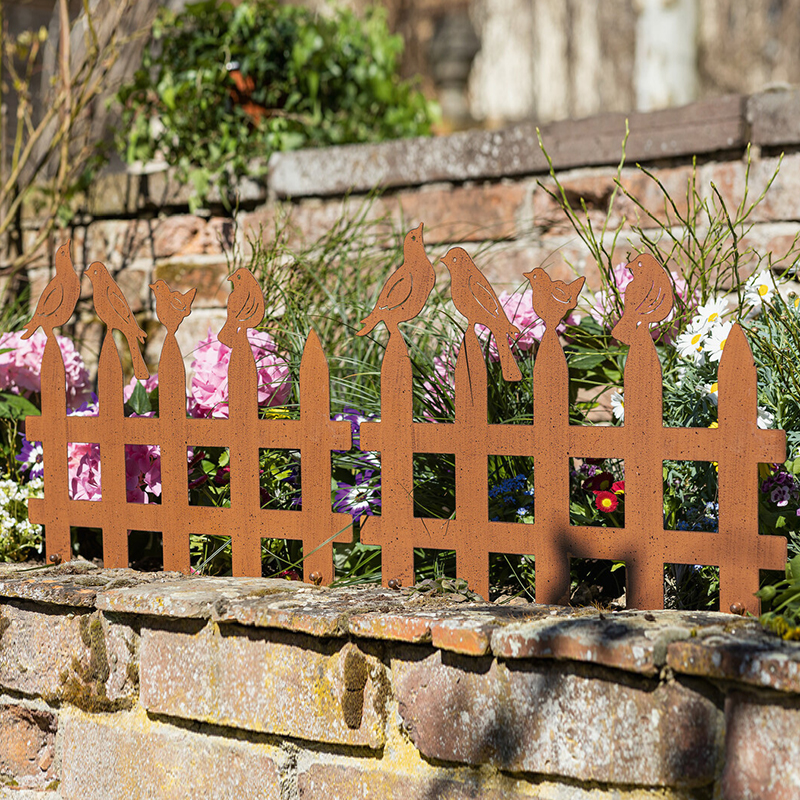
(266, 681)
(558, 721)
(27, 746)
(126, 756)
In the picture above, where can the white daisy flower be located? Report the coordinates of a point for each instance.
(713, 391)
(715, 342)
(710, 313)
(618, 406)
(690, 343)
(759, 288)
(765, 418)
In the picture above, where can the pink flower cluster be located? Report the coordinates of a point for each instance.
(21, 366)
(209, 387)
(208, 398)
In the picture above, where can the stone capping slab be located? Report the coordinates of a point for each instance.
(708, 126)
(710, 644)
(748, 655)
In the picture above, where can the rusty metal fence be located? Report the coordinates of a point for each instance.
(643, 442)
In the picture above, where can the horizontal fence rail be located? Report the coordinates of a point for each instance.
(737, 445)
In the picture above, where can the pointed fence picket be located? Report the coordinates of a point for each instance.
(737, 445)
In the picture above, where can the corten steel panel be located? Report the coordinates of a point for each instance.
(642, 441)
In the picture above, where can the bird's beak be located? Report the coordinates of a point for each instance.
(420, 227)
(152, 286)
(527, 274)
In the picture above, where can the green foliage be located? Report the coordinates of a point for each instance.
(320, 79)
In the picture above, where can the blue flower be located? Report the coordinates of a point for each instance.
(30, 458)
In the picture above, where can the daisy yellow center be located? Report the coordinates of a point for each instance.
(606, 502)
(714, 388)
(696, 338)
(713, 317)
(763, 289)
(722, 344)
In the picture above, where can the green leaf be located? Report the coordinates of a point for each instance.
(139, 402)
(15, 406)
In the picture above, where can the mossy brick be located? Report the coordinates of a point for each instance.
(762, 748)
(127, 756)
(266, 681)
(27, 745)
(74, 656)
(558, 720)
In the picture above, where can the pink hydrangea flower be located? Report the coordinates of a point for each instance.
(209, 386)
(21, 366)
(149, 385)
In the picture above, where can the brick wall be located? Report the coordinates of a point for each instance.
(115, 684)
(477, 187)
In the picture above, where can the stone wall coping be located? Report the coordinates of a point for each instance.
(709, 644)
(709, 126)
(723, 124)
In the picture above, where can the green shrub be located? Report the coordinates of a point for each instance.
(322, 79)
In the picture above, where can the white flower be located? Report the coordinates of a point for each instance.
(690, 343)
(759, 288)
(618, 406)
(713, 391)
(710, 313)
(765, 418)
(715, 343)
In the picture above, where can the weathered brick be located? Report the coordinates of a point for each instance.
(555, 721)
(187, 234)
(27, 745)
(208, 277)
(263, 681)
(468, 213)
(747, 654)
(69, 655)
(762, 748)
(127, 756)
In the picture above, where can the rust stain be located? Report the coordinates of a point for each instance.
(738, 445)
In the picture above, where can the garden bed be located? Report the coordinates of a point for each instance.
(123, 684)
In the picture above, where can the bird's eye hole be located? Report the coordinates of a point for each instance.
(413, 238)
(640, 263)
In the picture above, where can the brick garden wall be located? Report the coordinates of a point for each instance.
(115, 684)
(477, 187)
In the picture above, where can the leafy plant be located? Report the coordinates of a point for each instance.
(309, 80)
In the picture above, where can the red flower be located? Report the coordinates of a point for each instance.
(606, 501)
(599, 483)
(618, 487)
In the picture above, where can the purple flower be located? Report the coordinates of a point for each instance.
(360, 498)
(30, 458)
(780, 496)
(355, 418)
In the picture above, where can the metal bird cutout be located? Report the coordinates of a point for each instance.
(58, 300)
(475, 298)
(552, 300)
(172, 306)
(113, 309)
(407, 289)
(245, 306)
(648, 298)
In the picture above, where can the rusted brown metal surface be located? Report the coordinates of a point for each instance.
(737, 445)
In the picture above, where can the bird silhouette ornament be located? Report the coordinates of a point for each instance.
(113, 309)
(475, 298)
(407, 289)
(59, 298)
(172, 307)
(648, 299)
(552, 300)
(245, 306)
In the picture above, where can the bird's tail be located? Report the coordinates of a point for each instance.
(139, 367)
(507, 361)
(369, 323)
